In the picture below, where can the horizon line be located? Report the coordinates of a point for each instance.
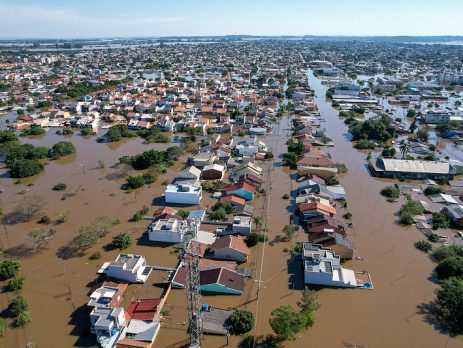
(229, 35)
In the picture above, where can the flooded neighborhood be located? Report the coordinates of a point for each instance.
(231, 191)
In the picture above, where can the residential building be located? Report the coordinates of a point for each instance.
(108, 324)
(229, 248)
(165, 231)
(183, 194)
(127, 267)
(323, 267)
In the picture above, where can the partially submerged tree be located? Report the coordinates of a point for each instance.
(39, 238)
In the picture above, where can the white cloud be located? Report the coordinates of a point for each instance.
(41, 22)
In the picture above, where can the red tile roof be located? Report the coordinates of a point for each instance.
(144, 309)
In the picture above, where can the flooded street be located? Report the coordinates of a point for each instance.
(400, 274)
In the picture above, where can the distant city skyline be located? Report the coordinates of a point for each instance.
(144, 18)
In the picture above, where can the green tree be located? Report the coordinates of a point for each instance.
(8, 135)
(422, 135)
(391, 192)
(135, 182)
(9, 269)
(183, 214)
(16, 283)
(404, 148)
(440, 220)
(450, 267)
(62, 148)
(23, 168)
(449, 304)
(23, 318)
(18, 305)
(446, 251)
(290, 231)
(122, 240)
(309, 301)
(286, 322)
(240, 322)
(432, 190)
(39, 237)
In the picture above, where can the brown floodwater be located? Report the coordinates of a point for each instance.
(57, 290)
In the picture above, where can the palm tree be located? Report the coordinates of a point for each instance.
(404, 148)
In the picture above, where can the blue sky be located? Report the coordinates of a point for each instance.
(117, 18)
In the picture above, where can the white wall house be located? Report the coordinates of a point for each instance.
(128, 267)
(109, 325)
(242, 225)
(165, 231)
(183, 194)
(323, 267)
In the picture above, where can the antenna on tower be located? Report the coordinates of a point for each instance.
(192, 282)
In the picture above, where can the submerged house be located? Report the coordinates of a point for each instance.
(323, 267)
(127, 267)
(218, 280)
(243, 190)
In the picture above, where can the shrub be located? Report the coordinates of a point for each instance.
(423, 245)
(364, 144)
(45, 220)
(135, 182)
(268, 155)
(118, 132)
(285, 196)
(67, 131)
(241, 321)
(342, 168)
(33, 131)
(2, 328)
(9, 269)
(406, 218)
(17, 306)
(255, 238)
(432, 190)
(290, 231)
(122, 240)
(450, 267)
(23, 318)
(388, 152)
(182, 213)
(347, 216)
(60, 187)
(440, 220)
(16, 283)
(446, 251)
(87, 131)
(434, 237)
